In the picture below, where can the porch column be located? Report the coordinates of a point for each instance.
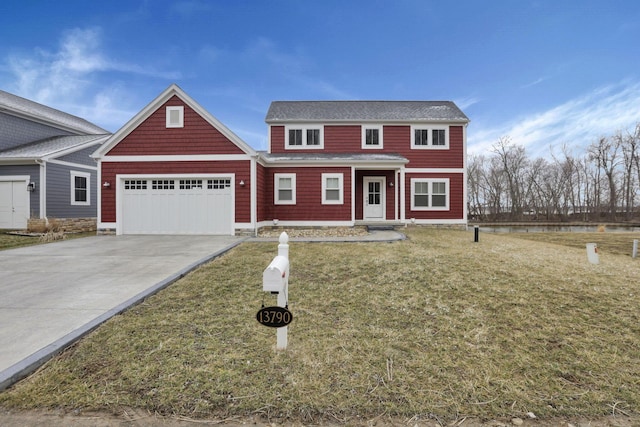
(401, 184)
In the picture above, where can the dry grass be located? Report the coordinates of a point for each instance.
(432, 327)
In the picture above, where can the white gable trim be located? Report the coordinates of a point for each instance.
(152, 107)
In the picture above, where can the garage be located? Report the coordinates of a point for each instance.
(182, 205)
(14, 203)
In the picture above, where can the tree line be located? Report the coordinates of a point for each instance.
(603, 184)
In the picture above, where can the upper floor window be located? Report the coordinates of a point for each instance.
(175, 116)
(80, 190)
(430, 137)
(429, 194)
(371, 136)
(285, 189)
(303, 137)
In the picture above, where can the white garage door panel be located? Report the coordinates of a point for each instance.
(14, 204)
(177, 211)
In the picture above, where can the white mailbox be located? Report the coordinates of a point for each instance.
(274, 277)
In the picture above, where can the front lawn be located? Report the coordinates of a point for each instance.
(433, 327)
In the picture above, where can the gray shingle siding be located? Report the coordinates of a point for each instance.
(59, 193)
(17, 131)
(33, 171)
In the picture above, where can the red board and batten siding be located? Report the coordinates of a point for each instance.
(152, 137)
(396, 139)
(241, 169)
(308, 205)
(456, 197)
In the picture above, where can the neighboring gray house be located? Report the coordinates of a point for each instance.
(45, 166)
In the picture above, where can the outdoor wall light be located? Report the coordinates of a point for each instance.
(241, 183)
(390, 183)
(31, 186)
(106, 184)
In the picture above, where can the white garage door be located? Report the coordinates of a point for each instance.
(14, 204)
(177, 206)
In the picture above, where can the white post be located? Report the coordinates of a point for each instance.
(635, 248)
(283, 297)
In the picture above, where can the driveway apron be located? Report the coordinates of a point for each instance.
(53, 294)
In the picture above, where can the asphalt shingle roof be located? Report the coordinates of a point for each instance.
(359, 111)
(14, 104)
(49, 146)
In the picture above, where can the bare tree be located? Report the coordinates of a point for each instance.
(514, 163)
(604, 153)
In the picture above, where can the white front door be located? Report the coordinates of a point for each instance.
(14, 204)
(374, 198)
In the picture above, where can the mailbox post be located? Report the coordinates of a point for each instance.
(275, 279)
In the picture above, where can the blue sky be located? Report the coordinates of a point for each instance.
(545, 73)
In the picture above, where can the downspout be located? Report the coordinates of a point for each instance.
(43, 188)
(254, 193)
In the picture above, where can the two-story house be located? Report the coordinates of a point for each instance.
(364, 162)
(176, 169)
(45, 166)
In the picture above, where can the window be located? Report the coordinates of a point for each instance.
(162, 184)
(135, 184)
(285, 189)
(430, 137)
(295, 136)
(80, 188)
(429, 194)
(218, 184)
(175, 117)
(190, 184)
(332, 189)
(303, 137)
(371, 136)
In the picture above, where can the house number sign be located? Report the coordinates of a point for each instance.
(274, 317)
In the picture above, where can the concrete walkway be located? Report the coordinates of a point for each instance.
(53, 294)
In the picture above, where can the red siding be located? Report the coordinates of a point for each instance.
(390, 192)
(456, 197)
(152, 137)
(241, 169)
(396, 139)
(343, 139)
(308, 205)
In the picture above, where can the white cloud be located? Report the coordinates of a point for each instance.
(576, 123)
(69, 78)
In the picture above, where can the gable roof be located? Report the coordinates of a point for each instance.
(52, 147)
(364, 111)
(146, 112)
(30, 110)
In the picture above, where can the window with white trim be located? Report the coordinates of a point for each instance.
(332, 188)
(429, 194)
(285, 189)
(430, 137)
(80, 188)
(372, 137)
(303, 137)
(175, 116)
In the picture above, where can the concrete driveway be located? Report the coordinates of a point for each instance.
(53, 294)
